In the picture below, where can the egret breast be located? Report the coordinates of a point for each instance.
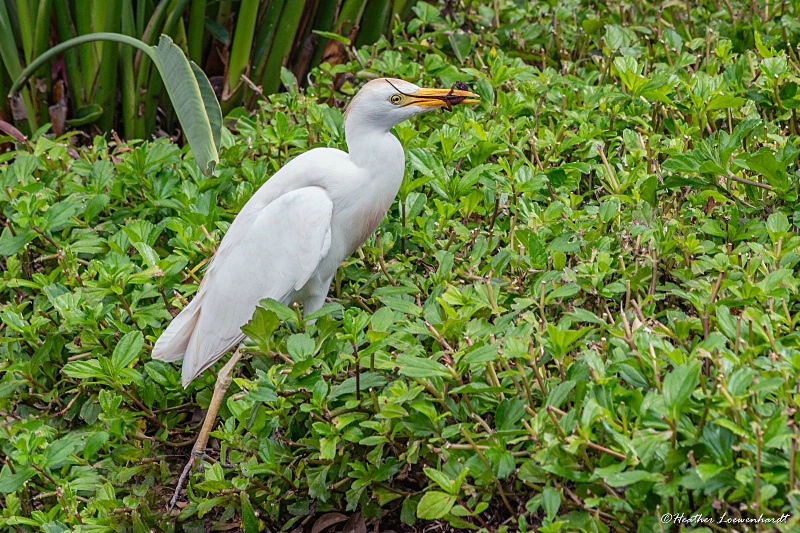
(366, 222)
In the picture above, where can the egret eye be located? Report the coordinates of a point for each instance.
(396, 99)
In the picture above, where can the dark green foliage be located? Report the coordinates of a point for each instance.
(230, 39)
(581, 312)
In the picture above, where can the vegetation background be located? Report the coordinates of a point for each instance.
(579, 314)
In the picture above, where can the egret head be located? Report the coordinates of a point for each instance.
(385, 102)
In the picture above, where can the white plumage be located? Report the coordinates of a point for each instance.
(292, 235)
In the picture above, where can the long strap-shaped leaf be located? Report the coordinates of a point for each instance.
(191, 103)
(187, 86)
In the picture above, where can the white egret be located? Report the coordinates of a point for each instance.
(291, 236)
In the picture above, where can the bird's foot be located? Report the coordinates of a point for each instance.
(185, 475)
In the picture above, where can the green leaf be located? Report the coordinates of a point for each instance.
(730, 425)
(127, 350)
(300, 346)
(435, 505)
(707, 471)
(211, 104)
(509, 412)
(419, 367)
(442, 480)
(408, 511)
(262, 325)
(564, 291)
(763, 51)
(367, 380)
(84, 369)
(559, 393)
(687, 162)
(264, 392)
(777, 226)
(556, 176)
(94, 443)
(249, 520)
(502, 460)
(680, 384)
(551, 500)
(11, 244)
(649, 189)
(58, 452)
(335, 36)
(191, 102)
(85, 115)
(765, 163)
(624, 479)
(536, 251)
(11, 482)
(725, 101)
(609, 209)
(461, 44)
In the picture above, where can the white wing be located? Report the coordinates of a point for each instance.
(268, 252)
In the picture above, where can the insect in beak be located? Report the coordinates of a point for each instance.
(447, 98)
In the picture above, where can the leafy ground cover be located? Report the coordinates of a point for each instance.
(580, 313)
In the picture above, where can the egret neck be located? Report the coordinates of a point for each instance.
(380, 159)
(370, 143)
(374, 111)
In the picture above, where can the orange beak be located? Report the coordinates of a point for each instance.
(433, 98)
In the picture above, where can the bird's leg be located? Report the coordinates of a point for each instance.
(199, 449)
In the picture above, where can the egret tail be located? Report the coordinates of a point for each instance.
(171, 345)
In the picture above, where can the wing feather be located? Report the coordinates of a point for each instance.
(171, 345)
(276, 251)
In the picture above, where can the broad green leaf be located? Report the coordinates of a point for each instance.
(367, 380)
(551, 500)
(300, 346)
(563, 291)
(419, 367)
(679, 385)
(461, 43)
(435, 505)
(559, 393)
(556, 176)
(84, 369)
(732, 426)
(191, 102)
(708, 471)
(509, 413)
(442, 480)
(725, 101)
(648, 190)
(624, 479)
(262, 325)
(11, 482)
(213, 111)
(777, 225)
(127, 350)
(609, 209)
(11, 244)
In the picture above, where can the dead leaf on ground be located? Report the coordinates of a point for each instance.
(327, 520)
(355, 524)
